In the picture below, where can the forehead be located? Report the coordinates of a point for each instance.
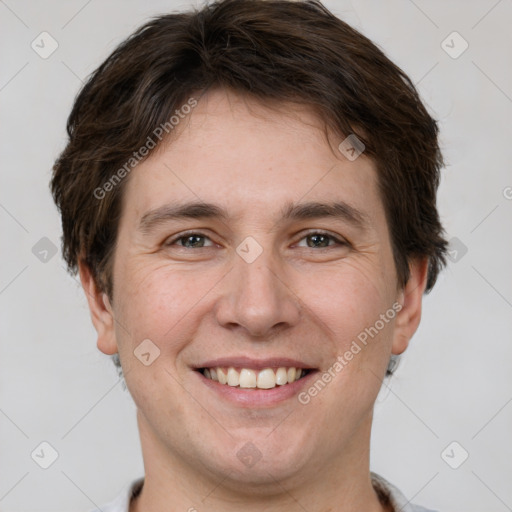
(252, 158)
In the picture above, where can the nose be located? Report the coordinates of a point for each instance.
(258, 298)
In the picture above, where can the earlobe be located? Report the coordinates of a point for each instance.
(102, 314)
(408, 319)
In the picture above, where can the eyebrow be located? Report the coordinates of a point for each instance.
(291, 211)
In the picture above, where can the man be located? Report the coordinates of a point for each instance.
(249, 196)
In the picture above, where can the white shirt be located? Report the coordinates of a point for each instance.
(383, 488)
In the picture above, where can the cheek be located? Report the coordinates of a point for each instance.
(347, 301)
(350, 310)
(154, 317)
(165, 305)
(153, 304)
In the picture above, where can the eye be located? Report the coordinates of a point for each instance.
(320, 239)
(190, 240)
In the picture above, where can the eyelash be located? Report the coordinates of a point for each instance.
(188, 234)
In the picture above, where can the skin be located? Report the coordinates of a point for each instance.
(204, 301)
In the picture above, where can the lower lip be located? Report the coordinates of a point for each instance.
(254, 397)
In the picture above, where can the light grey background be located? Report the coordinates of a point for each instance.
(455, 382)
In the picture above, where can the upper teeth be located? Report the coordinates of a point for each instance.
(246, 378)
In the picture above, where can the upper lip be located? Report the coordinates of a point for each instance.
(257, 364)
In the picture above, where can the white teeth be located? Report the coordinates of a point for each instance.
(282, 376)
(267, 378)
(222, 376)
(247, 379)
(233, 377)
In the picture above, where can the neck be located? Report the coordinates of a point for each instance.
(172, 484)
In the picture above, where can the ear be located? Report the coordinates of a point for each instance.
(411, 296)
(102, 314)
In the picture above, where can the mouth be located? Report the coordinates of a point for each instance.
(255, 383)
(253, 378)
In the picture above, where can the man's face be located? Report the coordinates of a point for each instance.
(254, 290)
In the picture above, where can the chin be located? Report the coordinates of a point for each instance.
(261, 461)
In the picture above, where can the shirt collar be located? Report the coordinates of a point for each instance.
(384, 489)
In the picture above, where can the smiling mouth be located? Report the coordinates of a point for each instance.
(268, 378)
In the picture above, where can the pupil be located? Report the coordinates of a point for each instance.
(316, 237)
(193, 237)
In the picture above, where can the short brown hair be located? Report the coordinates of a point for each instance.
(270, 50)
